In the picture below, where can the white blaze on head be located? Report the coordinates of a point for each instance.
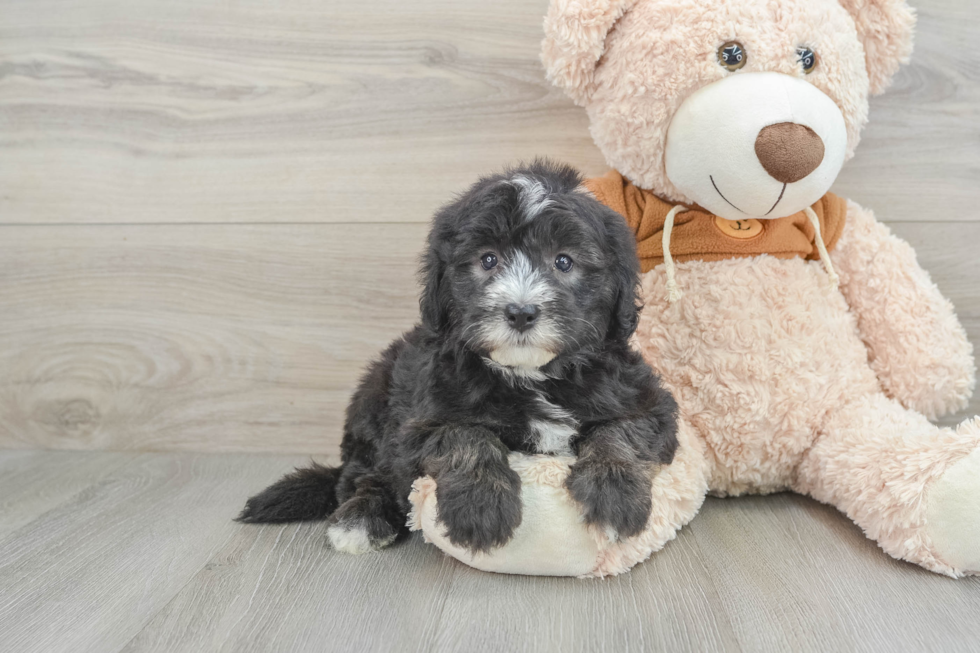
(533, 196)
(711, 145)
(518, 283)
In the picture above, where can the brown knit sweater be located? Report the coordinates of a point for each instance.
(699, 235)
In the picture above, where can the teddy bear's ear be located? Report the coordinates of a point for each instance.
(574, 40)
(885, 28)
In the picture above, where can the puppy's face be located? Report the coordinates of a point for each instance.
(530, 268)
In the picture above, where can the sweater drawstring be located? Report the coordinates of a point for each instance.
(822, 248)
(673, 292)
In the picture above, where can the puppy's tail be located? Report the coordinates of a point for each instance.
(306, 494)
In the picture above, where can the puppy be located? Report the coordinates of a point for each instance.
(528, 305)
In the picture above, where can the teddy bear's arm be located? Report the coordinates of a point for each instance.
(916, 344)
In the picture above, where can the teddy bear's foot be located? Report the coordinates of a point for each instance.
(953, 515)
(913, 487)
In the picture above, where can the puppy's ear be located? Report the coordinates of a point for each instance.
(574, 40)
(626, 309)
(432, 302)
(627, 312)
(885, 28)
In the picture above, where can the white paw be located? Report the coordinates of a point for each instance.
(953, 515)
(353, 538)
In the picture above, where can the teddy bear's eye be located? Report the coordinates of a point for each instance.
(807, 58)
(732, 55)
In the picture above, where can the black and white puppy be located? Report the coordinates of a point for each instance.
(528, 305)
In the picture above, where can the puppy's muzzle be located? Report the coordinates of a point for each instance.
(521, 317)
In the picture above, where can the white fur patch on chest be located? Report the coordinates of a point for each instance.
(553, 437)
(554, 433)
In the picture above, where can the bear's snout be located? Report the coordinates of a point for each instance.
(789, 151)
(755, 145)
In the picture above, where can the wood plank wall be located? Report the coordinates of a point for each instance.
(210, 212)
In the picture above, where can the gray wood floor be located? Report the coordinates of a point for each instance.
(137, 552)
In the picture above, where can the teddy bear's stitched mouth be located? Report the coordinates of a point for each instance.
(778, 199)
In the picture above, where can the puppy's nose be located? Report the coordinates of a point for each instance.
(788, 151)
(521, 317)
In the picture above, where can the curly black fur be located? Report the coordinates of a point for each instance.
(455, 395)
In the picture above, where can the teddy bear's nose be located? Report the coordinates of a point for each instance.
(788, 151)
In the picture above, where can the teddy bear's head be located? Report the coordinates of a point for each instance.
(745, 107)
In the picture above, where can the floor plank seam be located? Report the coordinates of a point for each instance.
(438, 626)
(714, 586)
(69, 498)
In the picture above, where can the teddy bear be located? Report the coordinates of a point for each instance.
(806, 347)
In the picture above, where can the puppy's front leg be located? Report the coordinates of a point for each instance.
(478, 494)
(614, 472)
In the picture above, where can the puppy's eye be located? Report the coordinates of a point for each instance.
(489, 261)
(732, 55)
(807, 58)
(563, 262)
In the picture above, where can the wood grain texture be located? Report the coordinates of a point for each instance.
(137, 561)
(919, 157)
(793, 575)
(86, 575)
(667, 604)
(33, 482)
(267, 111)
(296, 111)
(200, 337)
(280, 588)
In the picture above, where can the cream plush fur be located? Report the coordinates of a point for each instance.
(785, 381)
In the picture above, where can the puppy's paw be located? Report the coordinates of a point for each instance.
(358, 536)
(362, 524)
(480, 510)
(615, 496)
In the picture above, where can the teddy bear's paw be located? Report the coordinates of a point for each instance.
(615, 497)
(953, 515)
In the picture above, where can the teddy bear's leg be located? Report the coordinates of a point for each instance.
(912, 486)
